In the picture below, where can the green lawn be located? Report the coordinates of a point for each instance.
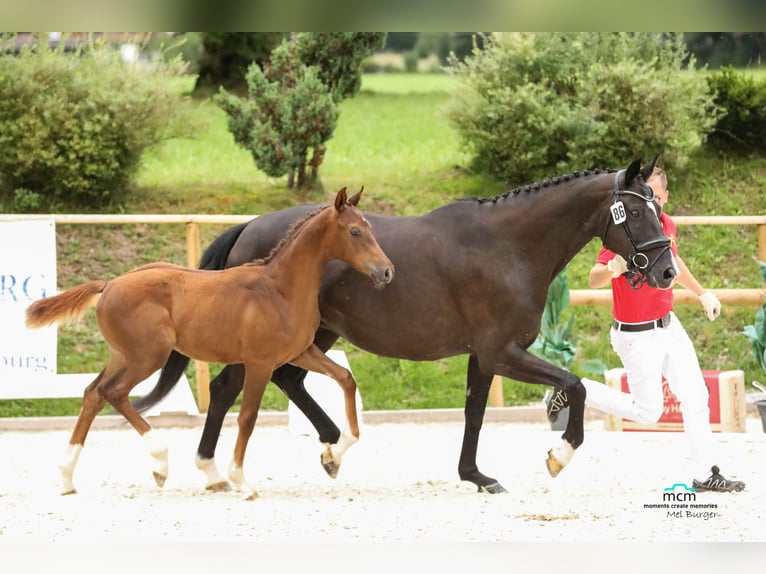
(393, 138)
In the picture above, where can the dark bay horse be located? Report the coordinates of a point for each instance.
(261, 315)
(472, 278)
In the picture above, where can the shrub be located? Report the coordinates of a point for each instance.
(743, 127)
(73, 126)
(756, 332)
(528, 104)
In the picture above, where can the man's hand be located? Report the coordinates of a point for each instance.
(710, 304)
(617, 266)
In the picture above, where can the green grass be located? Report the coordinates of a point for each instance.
(393, 138)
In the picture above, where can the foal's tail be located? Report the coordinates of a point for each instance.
(65, 307)
(213, 258)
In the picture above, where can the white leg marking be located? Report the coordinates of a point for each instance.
(558, 458)
(237, 477)
(207, 465)
(345, 441)
(564, 453)
(66, 467)
(158, 448)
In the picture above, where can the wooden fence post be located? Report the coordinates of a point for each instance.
(201, 369)
(496, 392)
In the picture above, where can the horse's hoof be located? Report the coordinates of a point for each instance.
(329, 466)
(222, 486)
(159, 479)
(68, 492)
(559, 457)
(553, 464)
(494, 488)
(253, 496)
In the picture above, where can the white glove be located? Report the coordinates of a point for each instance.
(617, 266)
(710, 304)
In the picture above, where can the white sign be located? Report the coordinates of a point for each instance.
(27, 273)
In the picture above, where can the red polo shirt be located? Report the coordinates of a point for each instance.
(646, 303)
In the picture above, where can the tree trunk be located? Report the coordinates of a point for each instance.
(316, 161)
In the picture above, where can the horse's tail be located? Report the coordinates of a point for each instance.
(213, 258)
(217, 253)
(65, 307)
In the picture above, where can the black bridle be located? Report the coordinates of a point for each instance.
(638, 262)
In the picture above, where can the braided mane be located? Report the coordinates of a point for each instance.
(541, 184)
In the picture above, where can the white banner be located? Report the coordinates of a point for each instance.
(27, 273)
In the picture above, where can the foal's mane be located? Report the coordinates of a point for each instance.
(292, 232)
(540, 184)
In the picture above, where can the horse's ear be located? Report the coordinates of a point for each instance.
(340, 200)
(646, 171)
(354, 199)
(632, 171)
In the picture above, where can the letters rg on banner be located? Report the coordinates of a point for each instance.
(27, 273)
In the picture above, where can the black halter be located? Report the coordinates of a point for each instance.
(638, 262)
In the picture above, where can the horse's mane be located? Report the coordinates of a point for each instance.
(291, 233)
(539, 184)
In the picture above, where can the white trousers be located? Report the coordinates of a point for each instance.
(647, 356)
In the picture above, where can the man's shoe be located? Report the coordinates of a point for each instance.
(717, 483)
(555, 401)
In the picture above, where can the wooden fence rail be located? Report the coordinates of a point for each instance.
(577, 296)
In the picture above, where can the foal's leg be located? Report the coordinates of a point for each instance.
(256, 379)
(313, 359)
(92, 403)
(116, 391)
(224, 390)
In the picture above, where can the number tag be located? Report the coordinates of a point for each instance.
(618, 212)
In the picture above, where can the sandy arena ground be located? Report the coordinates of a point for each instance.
(398, 483)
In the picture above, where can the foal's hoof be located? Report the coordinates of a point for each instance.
(328, 464)
(222, 486)
(494, 488)
(159, 479)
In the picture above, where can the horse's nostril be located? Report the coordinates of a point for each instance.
(670, 273)
(388, 275)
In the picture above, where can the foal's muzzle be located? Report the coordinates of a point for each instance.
(382, 275)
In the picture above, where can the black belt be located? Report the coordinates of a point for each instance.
(637, 327)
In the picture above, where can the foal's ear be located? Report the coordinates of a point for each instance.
(633, 170)
(646, 171)
(354, 199)
(340, 200)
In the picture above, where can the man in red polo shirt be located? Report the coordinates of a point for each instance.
(652, 343)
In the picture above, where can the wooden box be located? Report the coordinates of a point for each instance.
(727, 403)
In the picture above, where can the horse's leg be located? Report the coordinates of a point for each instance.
(517, 363)
(92, 403)
(224, 390)
(256, 378)
(116, 390)
(313, 359)
(477, 391)
(290, 380)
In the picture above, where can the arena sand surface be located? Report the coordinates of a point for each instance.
(399, 483)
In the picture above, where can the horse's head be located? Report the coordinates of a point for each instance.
(355, 242)
(634, 230)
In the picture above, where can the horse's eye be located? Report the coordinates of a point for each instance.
(635, 213)
(355, 232)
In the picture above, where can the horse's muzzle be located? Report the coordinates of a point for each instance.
(382, 276)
